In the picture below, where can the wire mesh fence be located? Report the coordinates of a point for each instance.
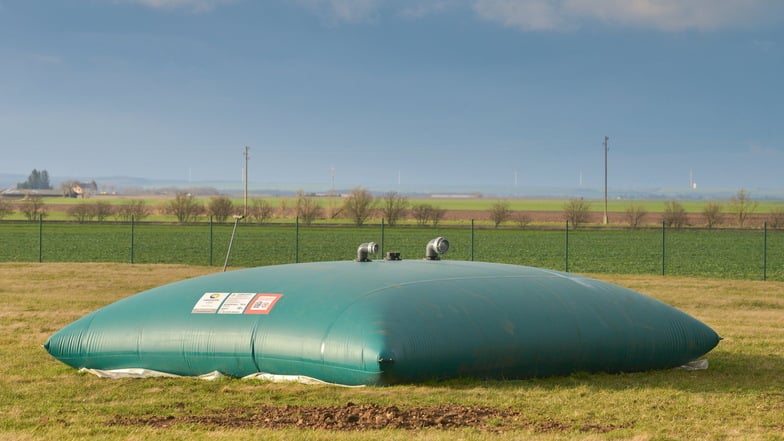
(729, 253)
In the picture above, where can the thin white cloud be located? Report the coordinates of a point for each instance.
(530, 15)
(356, 11)
(545, 15)
(665, 15)
(764, 151)
(763, 45)
(419, 9)
(46, 59)
(351, 11)
(191, 5)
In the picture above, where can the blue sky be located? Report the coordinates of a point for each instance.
(449, 92)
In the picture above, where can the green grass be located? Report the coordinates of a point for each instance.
(724, 253)
(739, 397)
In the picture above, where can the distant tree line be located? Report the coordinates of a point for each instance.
(38, 180)
(360, 205)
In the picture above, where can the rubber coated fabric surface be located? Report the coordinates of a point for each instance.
(385, 322)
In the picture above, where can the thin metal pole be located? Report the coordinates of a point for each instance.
(245, 212)
(40, 238)
(133, 225)
(472, 240)
(211, 241)
(662, 248)
(231, 241)
(566, 250)
(382, 236)
(296, 240)
(605, 178)
(765, 251)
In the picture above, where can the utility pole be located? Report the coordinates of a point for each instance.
(606, 149)
(245, 212)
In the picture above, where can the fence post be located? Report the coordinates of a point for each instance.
(662, 248)
(566, 250)
(472, 240)
(382, 236)
(132, 232)
(765, 251)
(296, 240)
(40, 238)
(211, 240)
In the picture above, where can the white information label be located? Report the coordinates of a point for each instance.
(236, 303)
(209, 303)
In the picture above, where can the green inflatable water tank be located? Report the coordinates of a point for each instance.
(385, 322)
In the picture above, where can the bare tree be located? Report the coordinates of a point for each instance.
(576, 211)
(674, 214)
(634, 215)
(394, 207)
(742, 206)
(359, 205)
(81, 212)
(424, 213)
(6, 209)
(220, 208)
(500, 212)
(101, 210)
(436, 214)
(260, 210)
(308, 209)
(421, 213)
(711, 212)
(134, 209)
(185, 207)
(33, 207)
(522, 218)
(776, 218)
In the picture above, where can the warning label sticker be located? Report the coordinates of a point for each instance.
(209, 303)
(235, 303)
(263, 303)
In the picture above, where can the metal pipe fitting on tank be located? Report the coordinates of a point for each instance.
(435, 248)
(365, 249)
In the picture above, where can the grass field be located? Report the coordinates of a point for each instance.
(741, 395)
(725, 253)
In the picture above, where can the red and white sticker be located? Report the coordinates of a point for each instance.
(235, 303)
(262, 303)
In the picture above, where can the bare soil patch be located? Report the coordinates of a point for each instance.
(361, 417)
(349, 417)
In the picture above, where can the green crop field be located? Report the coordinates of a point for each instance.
(740, 254)
(738, 397)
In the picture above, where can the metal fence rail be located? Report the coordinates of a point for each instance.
(729, 253)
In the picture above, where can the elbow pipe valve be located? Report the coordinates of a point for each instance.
(435, 248)
(365, 249)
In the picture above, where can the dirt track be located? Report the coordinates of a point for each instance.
(358, 417)
(348, 417)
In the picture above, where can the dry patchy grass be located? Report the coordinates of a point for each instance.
(741, 396)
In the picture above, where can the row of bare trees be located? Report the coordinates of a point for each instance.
(739, 207)
(360, 205)
(578, 211)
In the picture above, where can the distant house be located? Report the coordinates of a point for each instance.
(69, 189)
(83, 189)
